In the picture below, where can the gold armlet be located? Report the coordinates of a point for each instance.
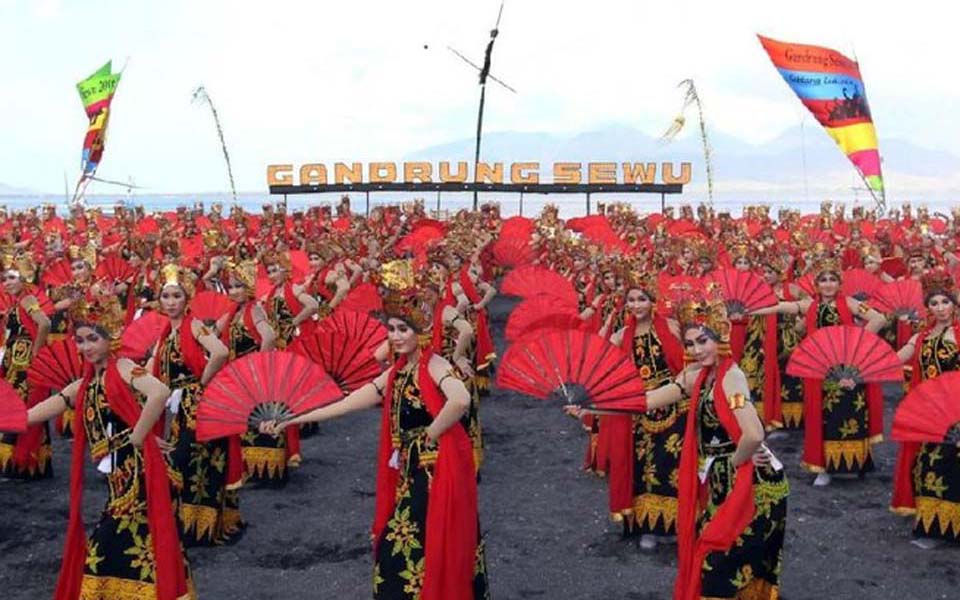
(736, 401)
(137, 372)
(863, 309)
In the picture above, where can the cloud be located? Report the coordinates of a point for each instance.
(324, 81)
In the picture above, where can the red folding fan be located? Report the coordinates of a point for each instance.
(807, 285)
(56, 366)
(363, 298)
(533, 280)
(361, 326)
(744, 291)
(901, 298)
(580, 367)
(114, 268)
(894, 266)
(13, 412)
(511, 252)
(46, 304)
(845, 352)
(210, 306)
(345, 357)
(58, 274)
(537, 313)
(142, 334)
(929, 410)
(860, 284)
(262, 386)
(671, 289)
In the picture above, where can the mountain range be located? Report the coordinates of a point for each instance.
(776, 164)
(798, 161)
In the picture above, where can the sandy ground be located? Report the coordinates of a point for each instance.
(544, 521)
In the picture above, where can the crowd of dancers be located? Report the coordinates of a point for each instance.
(710, 313)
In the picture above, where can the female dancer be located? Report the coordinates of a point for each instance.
(289, 306)
(134, 551)
(733, 548)
(27, 455)
(208, 513)
(244, 330)
(842, 421)
(927, 481)
(644, 451)
(426, 529)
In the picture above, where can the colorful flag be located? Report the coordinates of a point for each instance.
(96, 93)
(830, 86)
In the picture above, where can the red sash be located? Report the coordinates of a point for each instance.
(451, 543)
(170, 574)
(196, 361)
(485, 349)
(731, 518)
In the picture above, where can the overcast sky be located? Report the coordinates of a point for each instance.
(299, 81)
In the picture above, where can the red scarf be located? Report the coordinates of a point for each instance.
(28, 443)
(449, 299)
(170, 574)
(196, 361)
(294, 304)
(248, 323)
(813, 455)
(731, 518)
(772, 402)
(451, 542)
(903, 500)
(319, 285)
(615, 441)
(485, 350)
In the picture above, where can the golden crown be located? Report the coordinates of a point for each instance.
(705, 309)
(938, 281)
(403, 296)
(101, 310)
(173, 274)
(245, 272)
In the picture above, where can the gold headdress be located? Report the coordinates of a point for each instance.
(706, 310)
(403, 294)
(938, 281)
(245, 272)
(86, 253)
(172, 274)
(22, 264)
(273, 257)
(827, 264)
(102, 310)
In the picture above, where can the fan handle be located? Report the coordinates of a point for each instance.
(838, 372)
(268, 411)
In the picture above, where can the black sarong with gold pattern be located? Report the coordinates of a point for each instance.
(401, 550)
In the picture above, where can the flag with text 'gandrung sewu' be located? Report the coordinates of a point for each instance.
(96, 93)
(830, 86)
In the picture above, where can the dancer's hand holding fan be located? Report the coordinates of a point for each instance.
(262, 387)
(903, 299)
(845, 353)
(930, 412)
(580, 368)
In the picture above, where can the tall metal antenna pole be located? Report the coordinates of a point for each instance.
(200, 95)
(484, 73)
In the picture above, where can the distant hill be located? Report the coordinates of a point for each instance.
(9, 190)
(738, 166)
